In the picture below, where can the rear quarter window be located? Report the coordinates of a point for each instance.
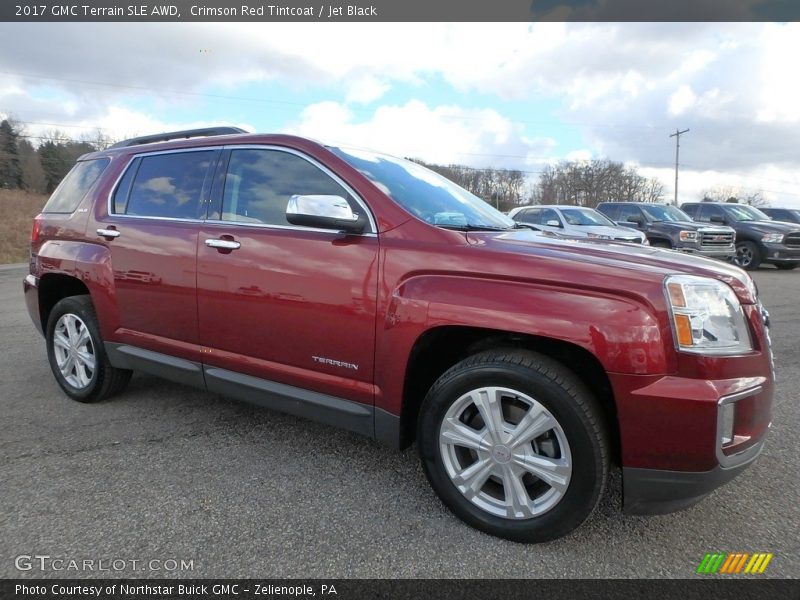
(72, 189)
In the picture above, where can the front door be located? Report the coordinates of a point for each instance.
(288, 304)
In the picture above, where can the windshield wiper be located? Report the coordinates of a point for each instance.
(470, 227)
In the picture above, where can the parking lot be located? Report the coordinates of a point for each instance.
(164, 472)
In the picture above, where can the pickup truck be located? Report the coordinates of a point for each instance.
(667, 226)
(367, 292)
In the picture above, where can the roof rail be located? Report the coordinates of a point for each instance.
(177, 135)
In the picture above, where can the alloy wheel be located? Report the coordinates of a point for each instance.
(505, 452)
(74, 351)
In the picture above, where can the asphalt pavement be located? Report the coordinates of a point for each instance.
(168, 473)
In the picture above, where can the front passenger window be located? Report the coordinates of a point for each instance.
(259, 183)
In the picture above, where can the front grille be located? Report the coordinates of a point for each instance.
(792, 240)
(710, 239)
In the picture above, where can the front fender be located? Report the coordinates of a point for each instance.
(623, 333)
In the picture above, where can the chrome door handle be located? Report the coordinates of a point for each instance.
(223, 244)
(108, 233)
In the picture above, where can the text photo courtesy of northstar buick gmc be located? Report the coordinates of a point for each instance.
(367, 292)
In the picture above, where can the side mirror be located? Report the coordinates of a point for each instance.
(636, 220)
(324, 212)
(717, 219)
(553, 223)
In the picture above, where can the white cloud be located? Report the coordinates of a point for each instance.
(367, 89)
(681, 99)
(442, 134)
(624, 86)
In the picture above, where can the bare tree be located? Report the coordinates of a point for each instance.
(727, 193)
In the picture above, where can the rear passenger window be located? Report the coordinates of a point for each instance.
(259, 184)
(166, 185)
(68, 195)
(532, 216)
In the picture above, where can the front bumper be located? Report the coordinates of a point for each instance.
(778, 253)
(725, 252)
(657, 492)
(683, 437)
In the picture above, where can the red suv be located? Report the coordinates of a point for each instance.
(370, 293)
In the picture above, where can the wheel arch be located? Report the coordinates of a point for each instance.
(439, 348)
(54, 287)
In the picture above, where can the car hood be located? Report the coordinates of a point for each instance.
(612, 232)
(604, 261)
(694, 226)
(768, 226)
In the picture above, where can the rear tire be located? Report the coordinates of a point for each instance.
(748, 256)
(536, 467)
(76, 353)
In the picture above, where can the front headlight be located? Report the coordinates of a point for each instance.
(775, 238)
(688, 236)
(707, 317)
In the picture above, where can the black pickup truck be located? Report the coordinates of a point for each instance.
(669, 227)
(759, 239)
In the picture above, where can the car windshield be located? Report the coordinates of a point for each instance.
(585, 216)
(426, 194)
(660, 212)
(741, 212)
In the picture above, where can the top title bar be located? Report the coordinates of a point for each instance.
(400, 10)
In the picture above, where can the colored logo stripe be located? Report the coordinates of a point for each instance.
(724, 563)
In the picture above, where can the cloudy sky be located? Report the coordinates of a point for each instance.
(501, 95)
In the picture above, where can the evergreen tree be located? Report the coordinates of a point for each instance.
(10, 170)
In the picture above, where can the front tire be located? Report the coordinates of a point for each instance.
(515, 445)
(76, 353)
(748, 256)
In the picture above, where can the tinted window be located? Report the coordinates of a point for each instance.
(259, 184)
(629, 210)
(170, 185)
(532, 216)
(741, 212)
(707, 211)
(609, 210)
(73, 188)
(124, 188)
(690, 209)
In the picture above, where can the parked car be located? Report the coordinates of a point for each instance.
(370, 293)
(759, 239)
(576, 221)
(787, 215)
(669, 227)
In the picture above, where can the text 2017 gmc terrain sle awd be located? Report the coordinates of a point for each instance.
(368, 292)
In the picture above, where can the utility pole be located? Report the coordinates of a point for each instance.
(677, 135)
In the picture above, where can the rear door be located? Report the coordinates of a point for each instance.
(284, 303)
(150, 228)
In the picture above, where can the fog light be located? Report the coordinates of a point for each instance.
(727, 422)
